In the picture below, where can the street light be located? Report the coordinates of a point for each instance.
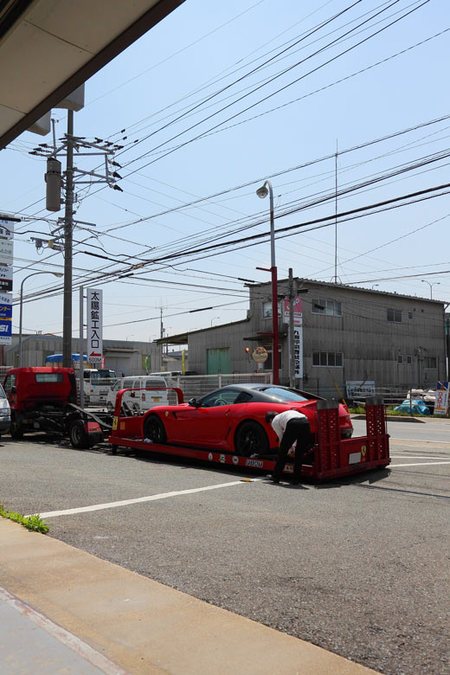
(56, 274)
(262, 192)
(436, 283)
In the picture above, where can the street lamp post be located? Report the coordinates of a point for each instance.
(436, 283)
(56, 274)
(262, 192)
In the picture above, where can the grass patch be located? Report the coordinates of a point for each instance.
(34, 523)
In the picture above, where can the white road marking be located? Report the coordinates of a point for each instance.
(413, 457)
(178, 493)
(418, 464)
(413, 440)
(140, 500)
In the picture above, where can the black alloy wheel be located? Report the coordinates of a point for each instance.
(251, 439)
(154, 429)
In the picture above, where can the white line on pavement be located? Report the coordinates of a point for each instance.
(413, 457)
(391, 466)
(140, 500)
(166, 495)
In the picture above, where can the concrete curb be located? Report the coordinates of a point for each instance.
(143, 626)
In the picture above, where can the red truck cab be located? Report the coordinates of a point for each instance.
(39, 397)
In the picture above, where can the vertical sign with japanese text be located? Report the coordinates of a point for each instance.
(94, 325)
(6, 279)
(298, 333)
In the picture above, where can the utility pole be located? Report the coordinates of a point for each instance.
(81, 349)
(68, 235)
(73, 176)
(291, 330)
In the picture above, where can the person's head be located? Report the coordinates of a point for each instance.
(270, 415)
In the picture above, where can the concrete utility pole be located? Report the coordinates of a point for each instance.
(73, 175)
(68, 234)
(291, 330)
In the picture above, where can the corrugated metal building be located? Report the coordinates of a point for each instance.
(123, 356)
(347, 334)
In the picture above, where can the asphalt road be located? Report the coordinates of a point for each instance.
(359, 567)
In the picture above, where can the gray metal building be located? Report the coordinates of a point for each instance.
(123, 356)
(348, 334)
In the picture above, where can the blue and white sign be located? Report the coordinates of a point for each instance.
(6, 279)
(5, 318)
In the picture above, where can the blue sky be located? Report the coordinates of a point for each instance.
(178, 86)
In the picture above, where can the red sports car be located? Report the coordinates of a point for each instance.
(232, 418)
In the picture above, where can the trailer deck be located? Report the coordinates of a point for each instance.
(331, 457)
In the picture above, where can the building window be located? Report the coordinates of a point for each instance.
(410, 315)
(268, 362)
(327, 359)
(409, 359)
(394, 315)
(327, 307)
(400, 358)
(267, 309)
(430, 362)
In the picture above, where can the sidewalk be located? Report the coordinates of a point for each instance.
(66, 611)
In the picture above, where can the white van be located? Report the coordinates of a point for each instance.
(136, 402)
(5, 412)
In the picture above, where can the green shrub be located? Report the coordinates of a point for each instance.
(34, 523)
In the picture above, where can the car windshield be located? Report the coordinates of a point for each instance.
(284, 394)
(2, 392)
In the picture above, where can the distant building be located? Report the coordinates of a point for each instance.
(348, 334)
(123, 356)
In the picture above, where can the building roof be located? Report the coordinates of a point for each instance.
(182, 338)
(349, 287)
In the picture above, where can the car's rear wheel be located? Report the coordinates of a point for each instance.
(251, 439)
(77, 435)
(154, 429)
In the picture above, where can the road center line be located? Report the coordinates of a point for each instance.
(177, 493)
(140, 500)
(414, 457)
(391, 466)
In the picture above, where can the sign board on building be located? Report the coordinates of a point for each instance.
(362, 388)
(6, 279)
(94, 325)
(441, 399)
(260, 354)
(5, 318)
(297, 303)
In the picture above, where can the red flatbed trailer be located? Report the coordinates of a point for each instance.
(333, 457)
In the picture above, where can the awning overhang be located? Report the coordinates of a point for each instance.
(48, 48)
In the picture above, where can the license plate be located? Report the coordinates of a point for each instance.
(156, 400)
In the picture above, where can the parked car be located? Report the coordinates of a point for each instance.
(232, 418)
(138, 401)
(5, 412)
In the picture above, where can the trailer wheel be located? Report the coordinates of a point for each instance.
(78, 436)
(154, 429)
(251, 439)
(16, 430)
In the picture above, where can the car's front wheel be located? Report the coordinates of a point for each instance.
(154, 429)
(251, 439)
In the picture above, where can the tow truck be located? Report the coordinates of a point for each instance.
(331, 457)
(44, 399)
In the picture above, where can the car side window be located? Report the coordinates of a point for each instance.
(9, 383)
(221, 397)
(244, 397)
